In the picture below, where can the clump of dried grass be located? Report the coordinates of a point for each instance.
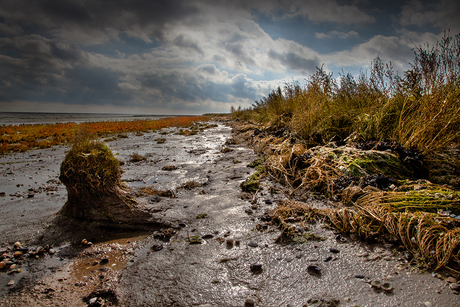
(152, 191)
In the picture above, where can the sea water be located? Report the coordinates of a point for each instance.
(18, 118)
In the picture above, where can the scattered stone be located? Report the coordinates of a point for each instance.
(104, 261)
(17, 245)
(268, 201)
(10, 283)
(333, 250)
(455, 287)
(2, 265)
(207, 236)
(256, 268)
(84, 242)
(18, 254)
(252, 244)
(328, 259)
(156, 247)
(249, 302)
(451, 280)
(359, 276)
(229, 242)
(254, 207)
(314, 270)
(428, 304)
(248, 211)
(182, 225)
(51, 251)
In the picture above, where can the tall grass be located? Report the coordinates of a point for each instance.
(420, 109)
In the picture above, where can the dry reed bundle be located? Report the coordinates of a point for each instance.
(432, 239)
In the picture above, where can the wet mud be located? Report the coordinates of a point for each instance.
(213, 245)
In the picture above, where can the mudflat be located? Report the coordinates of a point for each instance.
(212, 244)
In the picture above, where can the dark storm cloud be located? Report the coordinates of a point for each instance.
(197, 53)
(295, 62)
(150, 17)
(193, 87)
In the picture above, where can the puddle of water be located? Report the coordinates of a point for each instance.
(115, 251)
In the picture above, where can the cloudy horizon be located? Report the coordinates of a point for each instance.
(194, 57)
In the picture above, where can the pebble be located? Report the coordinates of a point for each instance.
(229, 242)
(451, 280)
(328, 259)
(10, 283)
(182, 225)
(17, 244)
(249, 302)
(207, 236)
(104, 261)
(254, 207)
(51, 251)
(455, 287)
(313, 269)
(252, 244)
(256, 267)
(428, 304)
(333, 250)
(268, 201)
(359, 276)
(156, 247)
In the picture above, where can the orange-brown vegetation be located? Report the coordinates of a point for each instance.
(19, 138)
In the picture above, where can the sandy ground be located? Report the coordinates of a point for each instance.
(220, 251)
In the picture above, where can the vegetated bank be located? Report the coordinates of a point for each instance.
(383, 148)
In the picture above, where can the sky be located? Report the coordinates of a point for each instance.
(189, 57)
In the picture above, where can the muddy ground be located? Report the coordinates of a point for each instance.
(211, 246)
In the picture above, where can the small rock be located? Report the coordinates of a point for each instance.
(207, 236)
(93, 301)
(359, 276)
(229, 242)
(17, 245)
(328, 259)
(254, 207)
(252, 244)
(104, 261)
(428, 304)
(13, 266)
(314, 270)
(10, 283)
(155, 248)
(455, 287)
(84, 242)
(451, 280)
(18, 254)
(255, 268)
(333, 250)
(2, 265)
(268, 201)
(248, 211)
(182, 225)
(249, 302)
(95, 263)
(51, 251)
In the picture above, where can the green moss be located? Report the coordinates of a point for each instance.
(252, 183)
(194, 240)
(257, 163)
(201, 216)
